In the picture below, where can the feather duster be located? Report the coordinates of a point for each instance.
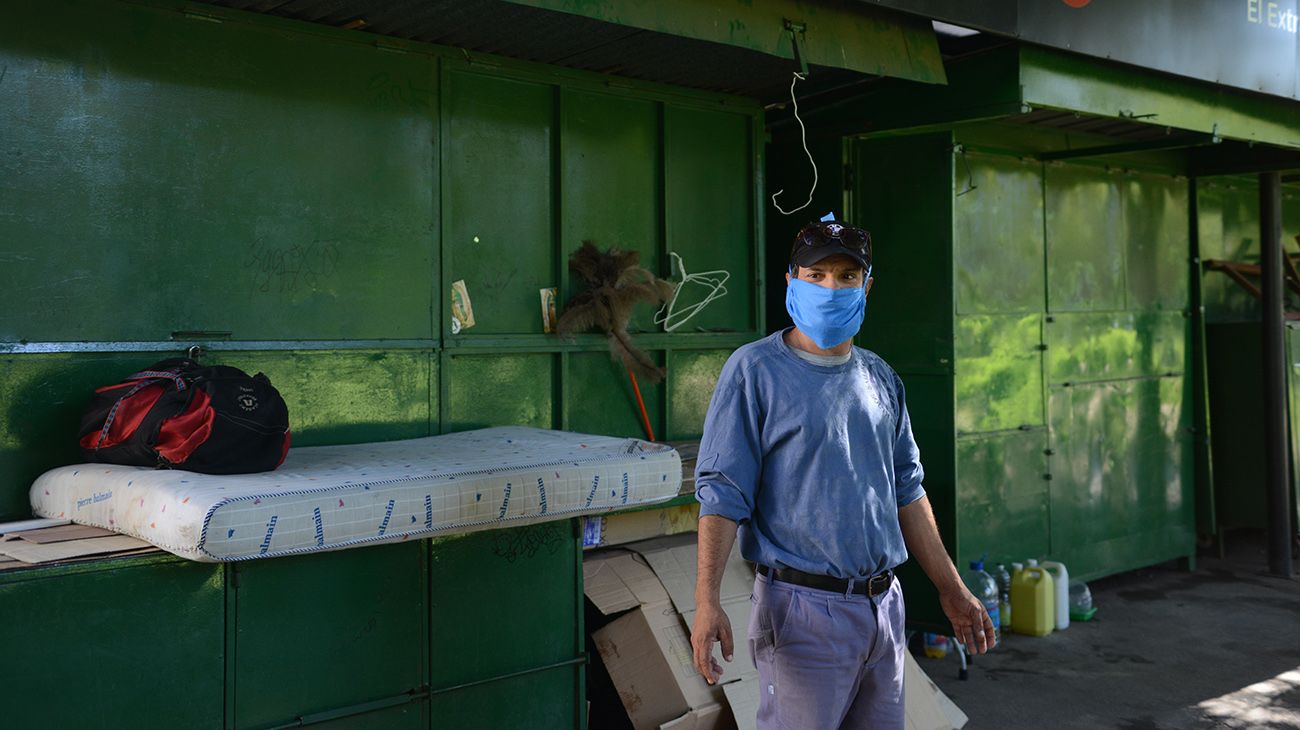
(616, 283)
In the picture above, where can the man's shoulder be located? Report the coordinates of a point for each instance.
(754, 356)
(754, 351)
(875, 363)
(871, 357)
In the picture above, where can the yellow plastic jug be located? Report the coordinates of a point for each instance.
(1033, 601)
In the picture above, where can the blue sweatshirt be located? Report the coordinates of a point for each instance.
(812, 461)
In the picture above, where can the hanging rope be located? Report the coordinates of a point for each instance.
(803, 139)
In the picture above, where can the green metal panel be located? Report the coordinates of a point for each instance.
(903, 195)
(859, 38)
(504, 602)
(499, 390)
(353, 396)
(1088, 347)
(709, 171)
(1122, 481)
(408, 716)
(534, 700)
(136, 642)
(998, 377)
(326, 631)
(997, 234)
(1085, 248)
(497, 228)
(1235, 365)
(1156, 221)
(599, 398)
(1228, 227)
(1003, 494)
(692, 376)
(611, 181)
(1064, 81)
(137, 134)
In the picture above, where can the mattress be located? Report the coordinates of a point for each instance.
(335, 497)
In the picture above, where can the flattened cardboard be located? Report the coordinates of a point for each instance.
(61, 533)
(30, 552)
(712, 717)
(743, 698)
(928, 708)
(617, 581)
(673, 559)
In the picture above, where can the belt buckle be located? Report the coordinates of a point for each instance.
(878, 584)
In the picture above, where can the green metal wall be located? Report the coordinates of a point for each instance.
(1036, 314)
(299, 199)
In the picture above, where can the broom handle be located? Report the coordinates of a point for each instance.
(645, 418)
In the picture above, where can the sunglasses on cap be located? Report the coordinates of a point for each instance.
(823, 233)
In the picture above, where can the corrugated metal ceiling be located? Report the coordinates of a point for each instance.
(561, 39)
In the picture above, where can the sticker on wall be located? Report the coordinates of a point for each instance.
(548, 309)
(462, 312)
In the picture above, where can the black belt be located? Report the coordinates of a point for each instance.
(873, 586)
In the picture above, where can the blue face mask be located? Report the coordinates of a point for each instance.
(828, 316)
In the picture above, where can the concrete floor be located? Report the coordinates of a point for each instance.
(1168, 649)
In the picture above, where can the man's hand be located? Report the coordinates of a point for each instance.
(711, 625)
(970, 622)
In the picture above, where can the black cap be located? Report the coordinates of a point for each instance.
(822, 239)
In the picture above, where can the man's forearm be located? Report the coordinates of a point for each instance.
(717, 535)
(922, 537)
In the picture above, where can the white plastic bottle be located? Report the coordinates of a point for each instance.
(1062, 584)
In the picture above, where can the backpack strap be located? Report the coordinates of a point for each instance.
(146, 378)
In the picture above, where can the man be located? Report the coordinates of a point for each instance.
(808, 453)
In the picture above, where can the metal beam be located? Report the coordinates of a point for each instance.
(1276, 443)
(1172, 142)
(1238, 158)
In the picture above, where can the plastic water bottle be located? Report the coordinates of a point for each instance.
(1003, 579)
(986, 591)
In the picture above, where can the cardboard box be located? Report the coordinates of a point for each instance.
(648, 651)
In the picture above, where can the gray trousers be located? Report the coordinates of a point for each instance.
(826, 660)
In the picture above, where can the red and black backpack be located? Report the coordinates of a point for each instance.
(178, 414)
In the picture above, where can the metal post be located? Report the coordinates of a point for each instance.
(1276, 446)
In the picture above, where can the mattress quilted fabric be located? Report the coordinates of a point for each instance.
(335, 497)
